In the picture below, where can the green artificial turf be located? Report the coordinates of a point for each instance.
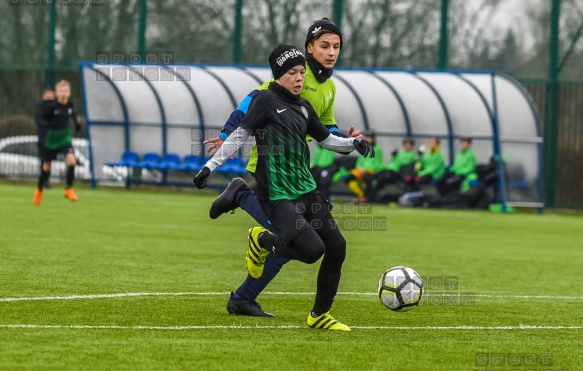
(513, 272)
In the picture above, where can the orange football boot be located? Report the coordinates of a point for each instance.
(38, 196)
(70, 194)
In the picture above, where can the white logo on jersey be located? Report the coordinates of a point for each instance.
(281, 110)
(305, 111)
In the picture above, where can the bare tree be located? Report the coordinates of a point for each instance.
(391, 33)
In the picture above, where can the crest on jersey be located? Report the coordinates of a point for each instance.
(305, 111)
(70, 111)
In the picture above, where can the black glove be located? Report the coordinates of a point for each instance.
(200, 178)
(364, 148)
(395, 152)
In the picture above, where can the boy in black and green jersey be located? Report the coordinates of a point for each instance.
(48, 96)
(280, 120)
(323, 44)
(58, 139)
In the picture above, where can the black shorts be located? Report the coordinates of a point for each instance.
(51, 154)
(291, 217)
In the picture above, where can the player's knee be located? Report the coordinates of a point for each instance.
(46, 166)
(71, 160)
(315, 251)
(337, 251)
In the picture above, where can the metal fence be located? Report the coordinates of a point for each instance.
(535, 41)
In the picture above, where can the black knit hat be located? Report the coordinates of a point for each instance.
(319, 25)
(283, 58)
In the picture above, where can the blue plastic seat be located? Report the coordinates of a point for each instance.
(128, 159)
(149, 161)
(190, 163)
(235, 166)
(170, 161)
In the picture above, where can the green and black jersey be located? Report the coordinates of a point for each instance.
(280, 122)
(57, 116)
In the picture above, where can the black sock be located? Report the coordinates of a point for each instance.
(70, 176)
(43, 178)
(48, 177)
(267, 241)
(328, 280)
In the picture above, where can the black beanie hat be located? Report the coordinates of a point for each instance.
(283, 58)
(322, 24)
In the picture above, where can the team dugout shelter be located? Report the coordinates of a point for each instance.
(163, 113)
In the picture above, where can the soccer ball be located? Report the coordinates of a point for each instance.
(400, 289)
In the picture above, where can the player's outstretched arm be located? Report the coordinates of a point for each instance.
(343, 145)
(333, 142)
(228, 149)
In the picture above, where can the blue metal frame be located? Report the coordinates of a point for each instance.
(88, 122)
(399, 99)
(501, 182)
(445, 111)
(538, 127)
(256, 78)
(225, 86)
(160, 106)
(495, 135)
(198, 107)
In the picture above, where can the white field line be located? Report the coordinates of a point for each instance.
(242, 327)
(138, 294)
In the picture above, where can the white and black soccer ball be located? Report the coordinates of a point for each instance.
(400, 289)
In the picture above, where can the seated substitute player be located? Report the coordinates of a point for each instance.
(280, 120)
(463, 165)
(401, 167)
(323, 44)
(431, 164)
(58, 139)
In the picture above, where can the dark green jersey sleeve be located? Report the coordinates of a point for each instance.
(316, 129)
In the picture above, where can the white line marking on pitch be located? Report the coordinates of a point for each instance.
(138, 294)
(239, 327)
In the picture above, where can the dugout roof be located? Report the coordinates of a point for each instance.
(171, 109)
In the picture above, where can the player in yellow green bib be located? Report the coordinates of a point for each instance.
(320, 95)
(323, 44)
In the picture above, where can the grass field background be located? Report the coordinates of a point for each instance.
(523, 269)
